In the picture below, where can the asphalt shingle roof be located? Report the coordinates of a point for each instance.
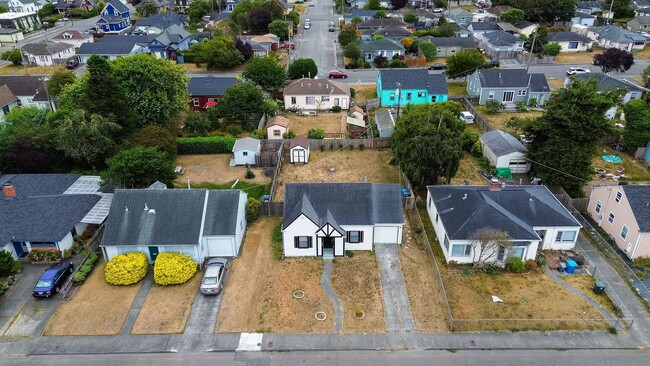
(107, 48)
(642, 20)
(502, 143)
(515, 209)
(414, 79)
(463, 42)
(246, 143)
(25, 86)
(117, 5)
(316, 87)
(385, 119)
(221, 213)
(30, 185)
(348, 203)
(617, 34)
(46, 48)
(568, 37)
(383, 44)
(639, 198)
(507, 78)
(501, 38)
(161, 21)
(209, 86)
(392, 32)
(6, 96)
(484, 26)
(381, 22)
(606, 82)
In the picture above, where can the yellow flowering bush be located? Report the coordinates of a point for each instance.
(173, 269)
(126, 269)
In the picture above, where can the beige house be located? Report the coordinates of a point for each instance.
(624, 213)
(276, 128)
(73, 37)
(316, 94)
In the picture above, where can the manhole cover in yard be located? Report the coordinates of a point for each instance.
(268, 173)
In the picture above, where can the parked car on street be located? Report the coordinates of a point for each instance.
(307, 24)
(215, 273)
(288, 46)
(336, 74)
(577, 70)
(438, 67)
(52, 280)
(72, 64)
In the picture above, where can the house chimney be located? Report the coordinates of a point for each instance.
(9, 190)
(494, 185)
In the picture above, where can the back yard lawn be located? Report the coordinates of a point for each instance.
(469, 170)
(97, 308)
(499, 120)
(214, 169)
(364, 92)
(328, 122)
(634, 170)
(457, 89)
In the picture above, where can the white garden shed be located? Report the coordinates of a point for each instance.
(299, 150)
(246, 150)
(504, 151)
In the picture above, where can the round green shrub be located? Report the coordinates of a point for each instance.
(126, 269)
(515, 264)
(79, 277)
(173, 269)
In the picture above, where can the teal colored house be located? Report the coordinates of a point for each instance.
(415, 86)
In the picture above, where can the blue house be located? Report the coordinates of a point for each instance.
(415, 86)
(168, 43)
(114, 18)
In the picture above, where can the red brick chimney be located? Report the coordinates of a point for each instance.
(494, 185)
(9, 190)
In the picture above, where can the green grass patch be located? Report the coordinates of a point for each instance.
(276, 242)
(456, 89)
(254, 190)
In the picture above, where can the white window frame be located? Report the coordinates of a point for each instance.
(598, 207)
(325, 98)
(619, 196)
(561, 236)
(624, 231)
(611, 218)
(310, 100)
(195, 101)
(467, 250)
(522, 92)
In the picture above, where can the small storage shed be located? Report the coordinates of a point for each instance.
(277, 127)
(246, 150)
(356, 125)
(385, 120)
(299, 150)
(504, 151)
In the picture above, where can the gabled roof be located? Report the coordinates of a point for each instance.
(75, 34)
(278, 121)
(246, 143)
(355, 12)
(381, 22)
(507, 78)
(161, 21)
(139, 39)
(6, 96)
(515, 209)
(463, 42)
(383, 44)
(25, 86)
(501, 143)
(524, 24)
(606, 82)
(590, 4)
(584, 16)
(501, 38)
(392, 31)
(31, 185)
(301, 141)
(174, 34)
(505, 26)
(617, 34)
(639, 198)
(385, 119)
(107, 48)
(46, 48)
(306, 86)
(484, 26)
(221, 213)
(348, 203)
(414, 79)
(642, 20)
(460, 12)
(568, 37)
(498, 10)
(117, 5)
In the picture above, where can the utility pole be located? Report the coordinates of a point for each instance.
(399, 98)
(610, 13)
(532, 47)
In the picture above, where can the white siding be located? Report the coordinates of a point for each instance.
(10, 248)
(66, 242)
(80, 227)
(368, 237)
(299, 155)
(551, 244)
(302, 226)
(245, 156)
(388, 234)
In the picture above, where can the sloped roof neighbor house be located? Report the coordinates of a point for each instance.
(299, 150)
(570, 41)
(508, 86)
(381, 47)
(504, 151)
(613, 36)
(531, 216)
(110, 50)
(376, 23)
(246, 150)
(385, 120)
(639, 24)
(73, 37)
(449, 46)
(326, 219)
(276, 127)
(416, 86)
(316, 94)
(607, 82)
(498, 43)
(200, 223)
(203, 90)
(47, 53)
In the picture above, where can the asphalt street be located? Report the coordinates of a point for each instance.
(317, 42)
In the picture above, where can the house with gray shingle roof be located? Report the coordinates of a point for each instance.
(479, 28)
(449, 46)
(531, 216)
(583, 19)
(381, 47)
(170, 42)
(316, 94)
(460, 16)
(8, 101)
(613, 36)
(327, 219)
(111, 50)
(639, 24)
(504, 151)
(47, 53)
(377, 23)
(363, 14)
(385, 120)
(508, 86)
(246, 150)
(393, 33)
(155, 24)
(570, 41)
(73, 37)
(607, 82)
(589, 7)
(199, 223)
(624, 213)
(499, 44)
(414, 86)
(525, 27)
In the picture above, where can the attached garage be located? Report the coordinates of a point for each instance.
(299, 150)
(387, 234)
(504, 151)
(221, 247)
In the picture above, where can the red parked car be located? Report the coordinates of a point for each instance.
(336, 74)
(72, 64)
(288, 46)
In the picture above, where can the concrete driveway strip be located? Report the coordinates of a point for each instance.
(203, 315)
(397, 310)
(137, 304)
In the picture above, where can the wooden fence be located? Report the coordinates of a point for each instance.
(534, 59)
(478, 118)
(315, 144)
(272, 209)
(574, 205)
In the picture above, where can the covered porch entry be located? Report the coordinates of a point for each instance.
(329, 239)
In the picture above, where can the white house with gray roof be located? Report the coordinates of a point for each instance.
(246, 150)
(613, 36)
(326, 219)
(607, 82)
(508, 86)
(199, 223)
(110, 50)
(381, 47)
(47, 53)
(500, 44)
(570, 41)
(531, 216)
(504, 151)
(316, 94)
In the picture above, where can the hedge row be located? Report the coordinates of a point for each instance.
(205, 145)
(126, 269)
(85, 269)
(173, 269)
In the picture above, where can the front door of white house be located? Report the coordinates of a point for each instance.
(508, 96)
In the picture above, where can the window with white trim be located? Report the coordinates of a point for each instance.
(599, 206)
(421, 94)
(491, 95)
(276, 133)
(521, 92)
(446, 242)
(619, 195)
(195, 102)
(310, 100)
(391, 96)
(354, 236)
(624, 232)
(611, 217)
(325, 98)
(461, 250)
(565, 236)
(245, 153)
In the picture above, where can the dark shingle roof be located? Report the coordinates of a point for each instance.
(382, 22)
(501, 38)
(414, 79)
(348, 203)
(568, 37)
(606, 82)
(30, 185)
(46, 48)
(117, 5)
(355, 12)
(6, 96)
(639, 198)
(383, 44)
(392, 32)
(507, 78)
(502, 143)
(464, 42)
(523, 24)
(515, 209)
(161, 21)
(221, 213)
(484, 26)
(385, 119)
(209, 86)
(307, 86)
(106, 48)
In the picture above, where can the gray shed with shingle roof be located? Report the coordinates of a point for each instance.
(504, 151)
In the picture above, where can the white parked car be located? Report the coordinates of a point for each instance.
(438, 10)
(577, 70)
(467, 117)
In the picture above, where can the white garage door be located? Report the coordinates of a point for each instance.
(387, 234)
(220, 247)
(517, 166)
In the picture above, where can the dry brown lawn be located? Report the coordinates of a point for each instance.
(30, 70)
(422, 287)
(97, 308)
(499, 120)
(356, 282)
(643, 54)
(555, 84)
(469, 170)
(214, 169)
(634, 170)
(191, 67)
(363, 92)
(167, 308)
(328, 122)
(585, 284)
(576, 57)
(258, 295)
(369, 165)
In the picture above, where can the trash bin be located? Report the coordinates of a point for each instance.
(571, 266)
(599, 288)
(562, 267)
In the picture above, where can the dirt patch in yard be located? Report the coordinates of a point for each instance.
(555, 84)
(214, 169)
(469, 170)
(356, 282)
(498, 120)
(258, 296)
(167, 308)
(585, 284)
(369, 165)
(577, 57)
(363, 92)
(328, 122)
(97, 308)
(643, 54)
(634, 170)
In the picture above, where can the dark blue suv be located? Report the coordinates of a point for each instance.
(52, 279)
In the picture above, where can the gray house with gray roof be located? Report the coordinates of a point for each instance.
(531, 216)
(327, 219)
(500, 44)
(613, 36)
(381, 47)
(508, 86)
(110, 50)
(449, 46)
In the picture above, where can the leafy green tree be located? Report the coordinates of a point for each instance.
(303, 67)
(47, 10)
(380, 14)
(139, 167)
(240, 102)
(410, 18)
(294, 17)
(26, 141)
(59, 80)
(156, 88)
(280, 28)
(637, 124)
(154, 136)
(621, 8)
(542, 10)
(552, 49)
(645, 76)
(398, 4)
(220, 52)
(512, 16)
(197, 10)
(88, 138)
(427, 142)
(266, 72)
(356, 20)
(352, 51)
(566, 135)
(372, 5)
(196, 123)
(429, 50)
(3, 9)
(464, 63)
(614, 59)
(347, 36)
(14, 56)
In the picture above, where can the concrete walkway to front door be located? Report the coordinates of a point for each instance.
(137, 303)
(397, 310)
